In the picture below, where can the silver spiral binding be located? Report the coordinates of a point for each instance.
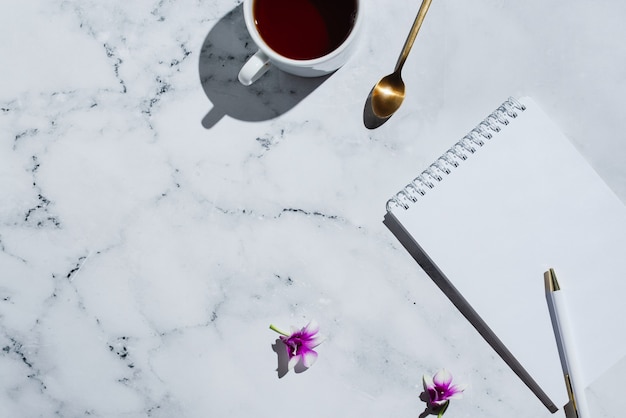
(455, 155)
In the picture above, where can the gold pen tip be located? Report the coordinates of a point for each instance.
(551, 282)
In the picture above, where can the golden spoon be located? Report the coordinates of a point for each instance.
(388, 94)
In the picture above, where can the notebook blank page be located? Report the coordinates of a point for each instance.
(524, 202)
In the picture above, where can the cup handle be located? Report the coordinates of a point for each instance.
(254, 68)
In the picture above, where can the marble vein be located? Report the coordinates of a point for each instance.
(156, 216)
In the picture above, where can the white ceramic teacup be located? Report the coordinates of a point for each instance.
(266, 57)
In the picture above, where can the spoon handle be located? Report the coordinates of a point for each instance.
(408, 44)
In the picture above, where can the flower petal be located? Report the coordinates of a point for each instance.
(439, 402)
(311, 328)
(456, 395)
(456, 391)
(442, 378)
(308, 358)
(293, 361)
(300, 344)
(427, 381)
(316, 341)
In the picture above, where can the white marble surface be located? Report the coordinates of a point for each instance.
(156, 217)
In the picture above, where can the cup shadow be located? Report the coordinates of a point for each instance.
(224, 51)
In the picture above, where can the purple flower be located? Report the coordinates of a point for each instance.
(300, 344)
(440, 390)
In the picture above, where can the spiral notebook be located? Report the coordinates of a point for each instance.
(504, 204)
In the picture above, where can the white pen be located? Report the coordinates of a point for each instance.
(566, 344)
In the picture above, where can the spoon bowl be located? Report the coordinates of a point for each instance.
(388, 93)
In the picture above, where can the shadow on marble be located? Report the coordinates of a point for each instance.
(428, 410)
(570, 410)
(370, 120)
(224, 51)
(283, 360)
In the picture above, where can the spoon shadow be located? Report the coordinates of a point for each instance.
(370, 120)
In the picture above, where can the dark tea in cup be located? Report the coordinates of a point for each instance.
(307, 38)
(304, 29)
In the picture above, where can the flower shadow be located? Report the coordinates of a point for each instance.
(283, 360)
(429, 410)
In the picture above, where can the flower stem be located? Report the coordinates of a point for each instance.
(273, 328)
(443, 409)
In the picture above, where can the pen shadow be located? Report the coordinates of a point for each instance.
(570, 411)
(224, 51)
